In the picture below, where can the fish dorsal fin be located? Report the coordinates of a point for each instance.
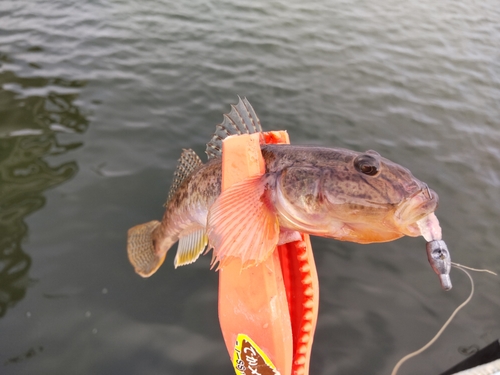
(188, 162)
(190, 247)
(241, 120)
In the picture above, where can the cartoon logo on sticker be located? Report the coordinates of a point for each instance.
(249, 359)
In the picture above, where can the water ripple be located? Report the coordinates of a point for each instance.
(417, 81)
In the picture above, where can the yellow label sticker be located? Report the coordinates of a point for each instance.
(249, 359)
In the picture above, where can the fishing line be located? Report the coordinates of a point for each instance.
(426, 346)
(473, 269)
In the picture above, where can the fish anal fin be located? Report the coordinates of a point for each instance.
(141, 249)
(188, 162)
(190, 247)
(242, 225)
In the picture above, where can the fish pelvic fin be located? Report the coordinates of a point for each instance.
(190, 247)
(241, 120)
(188, 162)
(242, 225)
(141, 250)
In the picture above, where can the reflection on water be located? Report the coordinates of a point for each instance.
(32, 111)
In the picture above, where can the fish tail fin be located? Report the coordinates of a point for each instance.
(141, 249)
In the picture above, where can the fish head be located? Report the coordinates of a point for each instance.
(375, 199)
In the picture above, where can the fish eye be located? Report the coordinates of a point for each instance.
(367, 164)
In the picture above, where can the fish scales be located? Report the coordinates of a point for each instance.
(338, 174)
(331, 192)
(189, 204)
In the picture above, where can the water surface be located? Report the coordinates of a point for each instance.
(98, 98)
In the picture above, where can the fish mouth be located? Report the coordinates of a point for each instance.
(420, 204)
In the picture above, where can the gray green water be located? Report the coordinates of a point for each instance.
(97, 99)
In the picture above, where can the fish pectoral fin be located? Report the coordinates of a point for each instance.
(190, 247)
(141, 250)
(241, 224)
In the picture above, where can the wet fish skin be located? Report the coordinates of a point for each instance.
(189, 205)
(318, 190)
(331, 192)
(185, 213)
(324, 195)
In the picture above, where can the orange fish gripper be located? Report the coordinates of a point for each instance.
(267, 312)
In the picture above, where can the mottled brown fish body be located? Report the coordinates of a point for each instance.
(312, 189)
(322, 191)
(188, 207)
(330, 192)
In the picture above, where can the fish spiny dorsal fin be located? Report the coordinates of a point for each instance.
(188, 162)
(241, 120)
